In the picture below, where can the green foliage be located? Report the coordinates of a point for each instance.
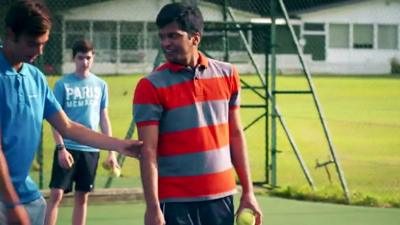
(365, 199)
(395, 66)
(330, 194)
(333, 195)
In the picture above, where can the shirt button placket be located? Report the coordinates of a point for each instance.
(21, 94)
(197, 86)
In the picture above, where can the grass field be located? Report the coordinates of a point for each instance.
(363, 115)
(276, 212)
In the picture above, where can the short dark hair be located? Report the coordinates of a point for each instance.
(83, 46)
(188, 17)
(29, 17)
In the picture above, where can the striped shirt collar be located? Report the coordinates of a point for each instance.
(202, 63)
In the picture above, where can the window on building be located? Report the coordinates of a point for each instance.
(213, 41)
(76, 30)
(104, 35)
(153, 39)
(387, 37)
(363, 36)
(314, 27)
(339, 35)
(130, 34)
(105, 41)
(132, 42)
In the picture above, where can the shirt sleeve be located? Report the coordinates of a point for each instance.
(51, 105)
(104, 98)
(147, 107)
(59, 92)
(234, 101)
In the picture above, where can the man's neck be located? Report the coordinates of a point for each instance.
(82, 74)
(8, 54)
(194, 59)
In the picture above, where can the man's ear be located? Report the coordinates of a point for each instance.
(196, 38)
(10, 35)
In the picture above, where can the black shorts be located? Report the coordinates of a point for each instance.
(215, 212)
(83, 172)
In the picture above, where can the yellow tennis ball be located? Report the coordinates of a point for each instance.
(115, 172)
(105, 165)
(246, 217)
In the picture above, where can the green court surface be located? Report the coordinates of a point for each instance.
(276, 211)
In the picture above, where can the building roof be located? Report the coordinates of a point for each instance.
(143, 10)
(355, 11)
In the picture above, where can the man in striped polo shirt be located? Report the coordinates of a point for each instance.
(187, 114)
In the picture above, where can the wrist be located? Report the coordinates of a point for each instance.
(247, 193)
(60, 147)
(153, 207)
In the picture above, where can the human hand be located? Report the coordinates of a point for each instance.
(65, 159)
(111, 162)
(154, 216)
(249, 201)
(131, 148)
(17, 216)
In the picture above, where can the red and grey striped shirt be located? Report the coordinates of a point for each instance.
(191, 107)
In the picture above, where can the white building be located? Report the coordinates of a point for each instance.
(354, 37)
(125, 35)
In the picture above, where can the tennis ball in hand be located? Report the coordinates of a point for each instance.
(105, 165)
(245, 217)
(115, 172)
(70, 163)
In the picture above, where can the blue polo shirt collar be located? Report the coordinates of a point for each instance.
(24, 70)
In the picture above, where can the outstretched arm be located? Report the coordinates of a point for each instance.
(84, 135)
(241, 163)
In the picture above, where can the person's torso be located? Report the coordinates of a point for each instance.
(82, 100)
(25, 101)
(193, 148)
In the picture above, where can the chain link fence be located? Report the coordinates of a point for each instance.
(335, 37)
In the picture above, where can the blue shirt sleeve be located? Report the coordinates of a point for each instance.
(104, 98)
(59, 92)
(51, 105)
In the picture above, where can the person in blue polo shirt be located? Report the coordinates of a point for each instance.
(26, 100)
